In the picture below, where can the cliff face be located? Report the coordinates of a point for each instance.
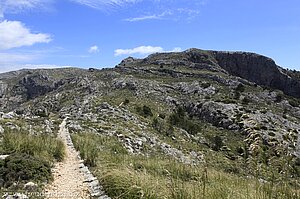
(249, 66)
(20, 86)
(259, 69)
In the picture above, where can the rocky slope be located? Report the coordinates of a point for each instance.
(250, 66)
(189, 105)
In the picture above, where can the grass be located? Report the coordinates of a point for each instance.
(129, 176)
(42, 146)
(30, 159)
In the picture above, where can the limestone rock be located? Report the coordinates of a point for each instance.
(3, 157)
(30, 186)
(1, 130)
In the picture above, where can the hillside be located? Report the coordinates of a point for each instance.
(192, 124)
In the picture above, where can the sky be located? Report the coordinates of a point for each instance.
(100, 33)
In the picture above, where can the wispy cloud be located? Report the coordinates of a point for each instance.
(149, 17)
(94, 49)
(143, 50)
(14, 34)
(14, 58)
(104, 4)
(170, 14)
(15, 6)
(142, 18)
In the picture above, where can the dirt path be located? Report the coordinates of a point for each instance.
(68, 180)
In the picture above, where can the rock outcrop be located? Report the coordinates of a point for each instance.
(250, 66)
(259, 69)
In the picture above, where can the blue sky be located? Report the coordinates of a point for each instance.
(100, 33)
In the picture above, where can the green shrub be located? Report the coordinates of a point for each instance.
(294, 102)
(126, 101)
(21, 168)
(237, 95)
(229, 101)
(279, 97)
(246, 100)
(263, 111)
(144, 111)
(179, 119)
(163, 127)
(240, 88)
(162, 116)
(217, 143)
(205, 85)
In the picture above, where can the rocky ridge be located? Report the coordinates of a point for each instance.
(229, 109)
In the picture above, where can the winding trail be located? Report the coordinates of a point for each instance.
(68, 180)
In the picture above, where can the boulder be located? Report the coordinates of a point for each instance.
(30, 186)
(1, 130)
(9, 115)
(3, 157)
(16, 196)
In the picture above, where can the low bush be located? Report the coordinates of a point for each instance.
(205, 85)
(126, 101)
(217, 143)
(279, 97)
(144, 111)
(294, 102)
(240, 88)
(181, 120)
(246, 100)
(20, 167)
(163, 127)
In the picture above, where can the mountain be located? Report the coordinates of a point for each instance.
(235, 112)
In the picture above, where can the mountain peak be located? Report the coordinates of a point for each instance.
(253, 67)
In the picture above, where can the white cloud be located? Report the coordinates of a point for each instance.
(94, 49)
(103, 4)
(29, 66)
(176, 49)
(144, 50)
(35, 66)
(141, 50)
(14, 34)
